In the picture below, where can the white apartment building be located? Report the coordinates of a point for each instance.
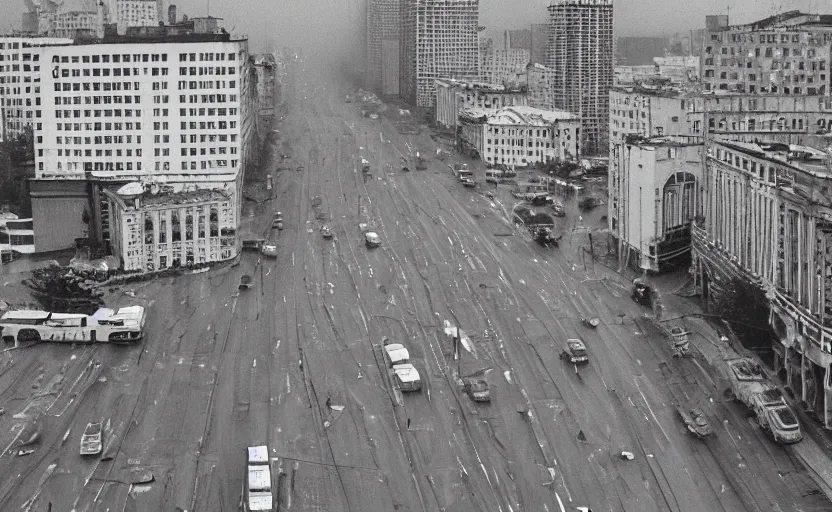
(499, 65)
(654, 112)
(134, 13)
(20, 60)
(71, 16)
(179, 113)
(520, 136)
(452, 96)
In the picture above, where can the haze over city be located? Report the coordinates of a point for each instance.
(415, 256)
(325, 23)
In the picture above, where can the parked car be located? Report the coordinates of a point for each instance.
(407, 377)
(575, 352)
(558, 210)
(326, 232)
(397, 353)
(477, 390)
(468, 182)
(371, 239)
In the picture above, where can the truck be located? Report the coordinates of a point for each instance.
(257, 487)
(749, 385)
(126, 325)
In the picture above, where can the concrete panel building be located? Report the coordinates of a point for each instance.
(787, 54)
(20, 61)
(654, 197)
(655, 112)
(134, 13)
(439, 39)
(519, 136)
(174, 110)
(504, 62)
(58, 208)
(767, 221)
(580, 54)
(383, 26)
(453, 96)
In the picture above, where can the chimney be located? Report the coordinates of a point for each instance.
(172, 15)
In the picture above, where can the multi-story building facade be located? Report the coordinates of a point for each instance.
(628, 75)
(132, 109)
(654, 190)
(540, 84)
(75, 17)
(20, 61)
(383, 24)
(802, 120)
(155, 229)
(580, 54)
(655, 112)
(520, 136)
(439, 39)
(787, 54)
(135, 13)
(682, 70)
(767, 220)
(505, 62)
(452, 96)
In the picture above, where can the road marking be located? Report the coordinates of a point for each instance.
(288, 385)
(653, 415)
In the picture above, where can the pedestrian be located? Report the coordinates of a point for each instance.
(329, 402)
(408, 423)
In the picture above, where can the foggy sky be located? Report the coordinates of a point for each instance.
(330, 24)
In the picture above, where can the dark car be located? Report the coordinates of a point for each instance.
(477, 390)
(575, 352)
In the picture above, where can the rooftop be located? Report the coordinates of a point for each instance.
(193, 196)
(474, 85)
(786, 20)
(516, 115)
(803, 158)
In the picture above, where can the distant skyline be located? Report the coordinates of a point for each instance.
(331, 23)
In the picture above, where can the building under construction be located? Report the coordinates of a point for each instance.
(439, 39)
(580, 55)
(383, 46)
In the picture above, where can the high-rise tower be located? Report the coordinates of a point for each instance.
(580, 55)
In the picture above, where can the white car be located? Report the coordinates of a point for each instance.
(397, 353)
(407, 377)
(372, 239)
(269, 250)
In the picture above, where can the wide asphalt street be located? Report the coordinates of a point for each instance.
(221, 369)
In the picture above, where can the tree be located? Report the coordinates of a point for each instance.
(20, 148)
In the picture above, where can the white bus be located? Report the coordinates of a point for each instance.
(257, 488)
(104, 326)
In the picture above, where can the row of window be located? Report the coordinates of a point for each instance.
(206, 57)
(207, 70)
(800, 65)
(519, 142)
(105, 59)
(100, 139)
(66, 114)
(75, 73)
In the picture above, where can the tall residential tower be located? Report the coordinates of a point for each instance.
(383, 46)
(580, 55)
(438, 40)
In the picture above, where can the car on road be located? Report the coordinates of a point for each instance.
(371, 239)
(468, 182)
(558, 210)
(373, 116)
(257, 486)
(477, 390)
(326, 232)
(575, 352)
(407, 377)
(397, 353)
(246, 282)
(269, 250)
(91, 439)
(695, 421)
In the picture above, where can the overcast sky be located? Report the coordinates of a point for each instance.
(330, 21)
